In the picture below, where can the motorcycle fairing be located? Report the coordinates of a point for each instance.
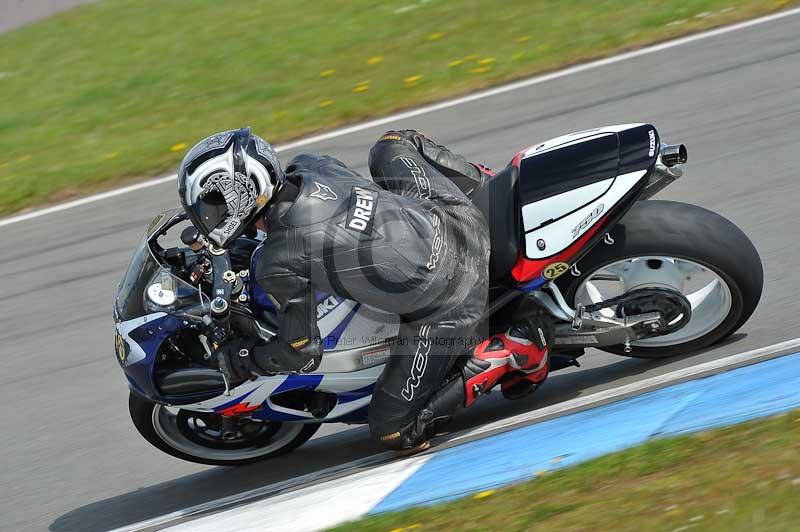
(548, 170)
(143, 337)
(560, 231)
(573, 189)
(354, 338)
(353, 393)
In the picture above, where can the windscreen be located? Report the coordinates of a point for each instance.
(130, 294)
(149, 286)
(166, 292)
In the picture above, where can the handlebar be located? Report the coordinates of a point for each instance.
(223, 281)
(214, 318)
(222, 285)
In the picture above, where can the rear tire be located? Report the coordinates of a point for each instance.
(145, 416)
(681, 231)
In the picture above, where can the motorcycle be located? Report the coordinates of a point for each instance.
(570, 233)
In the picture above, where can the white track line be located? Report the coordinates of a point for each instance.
(429, 108)
(278, 488)
(312, 508)
(659, 381)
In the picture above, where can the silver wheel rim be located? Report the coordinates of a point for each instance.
(165, 423)
(707, 292)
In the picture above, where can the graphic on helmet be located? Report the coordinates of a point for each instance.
(239, 194)
(224, 182)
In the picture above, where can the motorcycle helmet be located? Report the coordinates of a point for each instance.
(225, 181)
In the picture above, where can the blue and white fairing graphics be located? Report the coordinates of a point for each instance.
(355, 339)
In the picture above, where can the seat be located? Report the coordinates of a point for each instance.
(498, 200)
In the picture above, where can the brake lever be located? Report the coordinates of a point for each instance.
(197, 272)
(217, 335)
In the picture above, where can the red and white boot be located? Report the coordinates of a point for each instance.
(517, 358)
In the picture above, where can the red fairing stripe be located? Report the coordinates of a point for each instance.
(239, 408)
(526, 269)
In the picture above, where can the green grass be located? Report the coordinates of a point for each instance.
(112, 92)
(741, 478)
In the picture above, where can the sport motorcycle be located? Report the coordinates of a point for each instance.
(571, 233)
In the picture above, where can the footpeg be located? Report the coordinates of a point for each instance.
(577, 321)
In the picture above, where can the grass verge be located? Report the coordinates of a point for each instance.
(118, 90)
(740, 478)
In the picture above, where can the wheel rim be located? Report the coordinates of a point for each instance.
(194, 433)
(707, 292)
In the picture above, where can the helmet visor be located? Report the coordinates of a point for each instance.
(225, 206)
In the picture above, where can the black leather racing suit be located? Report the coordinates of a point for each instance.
(407, 242)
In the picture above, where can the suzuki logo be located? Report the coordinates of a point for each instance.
(327, 305)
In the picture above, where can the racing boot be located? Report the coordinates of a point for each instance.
(518, 357)
(521, 383)
(413, 438)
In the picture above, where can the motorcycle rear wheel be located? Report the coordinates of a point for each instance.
(686, 239)
(196, 437)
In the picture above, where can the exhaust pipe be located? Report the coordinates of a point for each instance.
(667, 169)
(672, 154)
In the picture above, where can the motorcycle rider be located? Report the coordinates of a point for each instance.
(409, 242)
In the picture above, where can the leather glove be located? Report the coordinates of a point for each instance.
(245, 358)
(236, 361)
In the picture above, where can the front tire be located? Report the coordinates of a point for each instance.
(195, 437)
(690, 235)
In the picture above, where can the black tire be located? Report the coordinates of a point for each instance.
(683, 231)
(141, 411)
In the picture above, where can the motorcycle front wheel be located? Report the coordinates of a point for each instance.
(197, 436)
(681, 247)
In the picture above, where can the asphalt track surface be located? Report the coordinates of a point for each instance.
(72, 460)
(15, 13)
